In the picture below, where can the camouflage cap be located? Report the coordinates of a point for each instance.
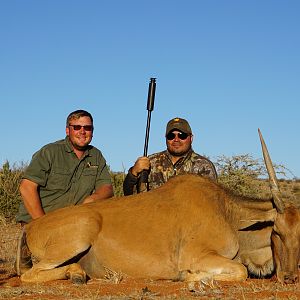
(179, 124)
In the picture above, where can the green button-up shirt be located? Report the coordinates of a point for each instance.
(64, 179)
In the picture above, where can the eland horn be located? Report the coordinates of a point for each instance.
(272, 176)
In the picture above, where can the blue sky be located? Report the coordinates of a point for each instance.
(229, 67)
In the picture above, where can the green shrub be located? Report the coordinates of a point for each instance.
(247, 176)
(239, 173)
(9, 189)
(117, 182)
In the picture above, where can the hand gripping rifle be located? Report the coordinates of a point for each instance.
(143, 180)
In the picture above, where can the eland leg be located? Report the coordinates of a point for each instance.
(215, 267)
(43, 271)
(56, 264)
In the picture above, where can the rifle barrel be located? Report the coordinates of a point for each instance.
(150, 107)
(147, 133)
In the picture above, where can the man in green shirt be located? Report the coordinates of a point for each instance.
(64, 173)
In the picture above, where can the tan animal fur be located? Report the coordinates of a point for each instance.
(189, 229)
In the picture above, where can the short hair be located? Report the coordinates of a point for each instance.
(78, 114)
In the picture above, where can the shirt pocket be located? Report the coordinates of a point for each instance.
(59, 179)
(89, 176)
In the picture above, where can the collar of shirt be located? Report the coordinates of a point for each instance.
(182, 159)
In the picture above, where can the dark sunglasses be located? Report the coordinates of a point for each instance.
(181, 135)
(85, 127)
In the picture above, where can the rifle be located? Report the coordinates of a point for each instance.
(143, 180)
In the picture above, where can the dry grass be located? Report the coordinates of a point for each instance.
(8, 244)
(113, 276)
(290, 191)
(9, 194)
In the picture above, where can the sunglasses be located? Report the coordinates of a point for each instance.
(85, 127)
(181, 135)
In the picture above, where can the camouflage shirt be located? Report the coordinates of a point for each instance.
(162, 169)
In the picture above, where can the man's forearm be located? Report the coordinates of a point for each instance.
(34, 208)
(31, 198)
(33, 205)
(129, 183)
(104, 192)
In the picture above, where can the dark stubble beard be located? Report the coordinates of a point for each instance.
(80, 148)
(179, 153)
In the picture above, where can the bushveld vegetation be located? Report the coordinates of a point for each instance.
(242, 174)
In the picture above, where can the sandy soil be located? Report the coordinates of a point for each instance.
(12, 288)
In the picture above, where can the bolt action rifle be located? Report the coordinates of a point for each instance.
(143, 179)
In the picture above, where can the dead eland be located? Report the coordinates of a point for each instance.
(189, 229)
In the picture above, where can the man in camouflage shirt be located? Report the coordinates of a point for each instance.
(179, 158)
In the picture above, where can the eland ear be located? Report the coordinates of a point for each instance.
(258, 217)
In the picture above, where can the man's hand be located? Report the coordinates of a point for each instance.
(142, 163)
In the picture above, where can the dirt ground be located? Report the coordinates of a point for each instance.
(125, 288)
(146, 289)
